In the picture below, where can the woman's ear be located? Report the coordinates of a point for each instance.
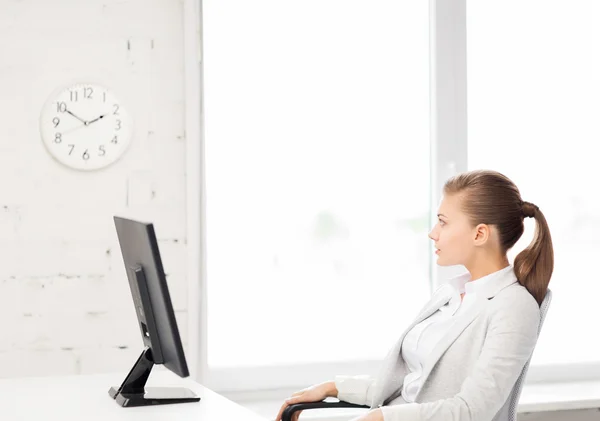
(482, 234)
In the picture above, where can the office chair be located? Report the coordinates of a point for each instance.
(509, 408)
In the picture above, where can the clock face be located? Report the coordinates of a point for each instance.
(85, 126)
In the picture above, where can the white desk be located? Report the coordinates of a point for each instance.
(85, 398)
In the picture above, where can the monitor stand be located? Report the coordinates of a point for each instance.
(134, 393)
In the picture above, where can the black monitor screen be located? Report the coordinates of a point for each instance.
(150, 293)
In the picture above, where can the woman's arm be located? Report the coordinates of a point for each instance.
(354, 389)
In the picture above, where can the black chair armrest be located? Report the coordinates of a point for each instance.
(289, 411)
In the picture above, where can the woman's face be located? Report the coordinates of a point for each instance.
(452, 234)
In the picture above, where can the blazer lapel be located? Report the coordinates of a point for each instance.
(391, 374)
(441, 297)
(464, 320)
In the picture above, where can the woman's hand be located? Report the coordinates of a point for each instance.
(314, 393)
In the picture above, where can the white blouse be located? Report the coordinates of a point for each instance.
(422, 338)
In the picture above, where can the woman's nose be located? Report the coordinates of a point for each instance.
(431, 235)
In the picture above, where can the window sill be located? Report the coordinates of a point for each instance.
(560, 396)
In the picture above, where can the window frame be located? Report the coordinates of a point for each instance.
(449, 155)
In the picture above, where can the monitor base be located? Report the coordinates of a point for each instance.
(134, 393)
(154, 396)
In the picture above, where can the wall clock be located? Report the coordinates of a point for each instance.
(85, 126)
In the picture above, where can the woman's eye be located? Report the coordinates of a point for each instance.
(441, 222)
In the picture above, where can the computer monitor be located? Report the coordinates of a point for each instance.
(156, 319)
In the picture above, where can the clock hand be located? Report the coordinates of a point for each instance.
(72, 129)
(83, 121)
(96, 119)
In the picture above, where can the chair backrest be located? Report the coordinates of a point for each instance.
(513, 399)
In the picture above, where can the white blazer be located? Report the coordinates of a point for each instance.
(471, 371)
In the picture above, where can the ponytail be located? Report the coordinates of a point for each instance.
(534, 265)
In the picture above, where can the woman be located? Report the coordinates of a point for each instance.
(462, 355)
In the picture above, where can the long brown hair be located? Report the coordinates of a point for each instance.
(489, 197)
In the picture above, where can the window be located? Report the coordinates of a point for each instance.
(533, 80)
(317, 180)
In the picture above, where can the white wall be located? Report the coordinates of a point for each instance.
(65, 305)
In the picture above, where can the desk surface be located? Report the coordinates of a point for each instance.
(85, 398)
